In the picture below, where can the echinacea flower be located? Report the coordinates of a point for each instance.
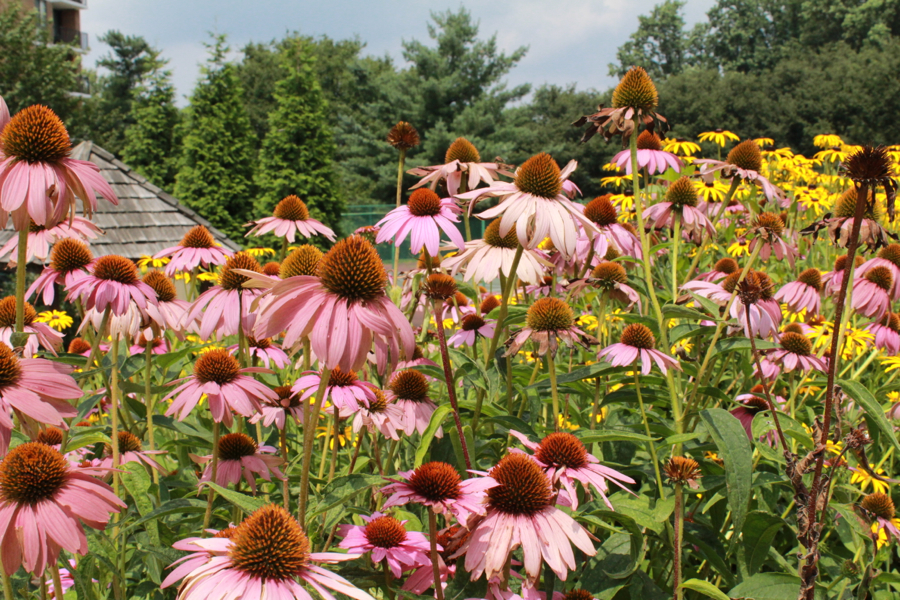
(722, 269)
(566, 461)
(637, 343)
(548, 319)
(70, 260)
(804, 293)
(226, 306)
(462, 163)
(521, 513)
(41, 238)
(471, 328)
(536, 204)
(841, 223)
(438, 486)
(769, 229)
(303, 260)
(422, 218)
(886, 333)
(278, 409)
(45, 503)
(342, 311)
(169, 312)
(131, 450)
(266, 556)
(765, 312)
(345, 390)
(38, 179)
(158, 346)
(603, 214)
(650, 156)
(382, 415)
(40, 335)
(871, 292)
(36, 388)
(240, 456)
(682, 470)
(388, 540)
(744, 162)
(112, 283)
(885, 526)
(219, 376)
(198, 248)
(889, 257)
(751, 405)
(796, 354)
(634, 101)
(291, 216)
(486, 259)
(408, 390)
(611, 278)
(681, 203)
(266, 351)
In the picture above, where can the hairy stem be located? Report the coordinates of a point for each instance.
(451, 385)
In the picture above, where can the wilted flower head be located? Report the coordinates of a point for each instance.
(682, 470)
(403, 136)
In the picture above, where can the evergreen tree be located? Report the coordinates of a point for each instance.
(297, 153)
(151, 144)
(215, 171)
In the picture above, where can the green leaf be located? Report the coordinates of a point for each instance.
(617, 435)
(180, 506)
(646, 512)
(676, 311)
(705, 588)
(875, 411)
(246, 503)
(760, 529)
(740, 343)
(437, 418)
(515, 423)
(343, 489)
(680, 438)
(734, 448)
(768, 586)
(138, 483)
(636, 550)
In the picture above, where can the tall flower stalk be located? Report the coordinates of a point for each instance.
(403, 137)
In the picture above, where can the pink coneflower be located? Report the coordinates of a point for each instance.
(438, 485)
(521, 512)
(266, 351)
(537, 205)
(769, 228)
(198, 248)
(70, 260)
(548, 319)
(768, 371)
(603, 214)
(471, 328)
(41, 334)
(218, 375)
(612, 279)
(840, 225)
(803, 294)
(345, 390)
(831, 281)
(131, 450)
(44, 503)
(880, 508)
(681, 203)
(461, 160)
(796, 354)
(169, 313)
(751, 405)
(765, 313)
(636, 343)
(113, 283)
(417, 359)
(224, 307)
(422, 579)
(41, 238)
(566, 461)
(650, 155)
(36, 388)
(382, 415)
(343, 310)
(291, 216)
(722, 269)
(408, 390)
(277, 410)
(158, 346)
(423, 218)
(240, 456)
(486, 259)
(545, 287)
(871, 292)
(38, 180)
(889, 257)
(744, 162)
(262, 558)
(388, 540)
(66, 579)
(887, 333)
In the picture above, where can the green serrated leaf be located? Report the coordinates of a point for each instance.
(734, 448)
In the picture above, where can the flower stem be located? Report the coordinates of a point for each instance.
(283, 253)
(96, 345)
(114, 410)
(57, 581)
(309, 437)
(676, 540)
(436, 569)
(651, 447)
(215, 467)
(554, 394)
(21, 271)
(676, 235)
(285, 488)
(504, 305)
(399, 198)
(388, 580)
(334, 444)
(148, 401)
(7, 582)
(451, 385)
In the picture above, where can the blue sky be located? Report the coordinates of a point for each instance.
(571, 41)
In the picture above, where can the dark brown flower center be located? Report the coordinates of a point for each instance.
(403, 136)
(128, 442)
(425, 261)
(755, 404)
(198, 237)
(492, 236)
(880, 276)
(771, 223)
(578, 595)
(601, 211)
(472, 323)
(562, 450)
(379, 404)
(550, 314)
(439, 286)
(162, 285)
(891, 253)
(796, 343)
(409, 385)
(892, 320)
(638, 336)
(262, 343)
(217, 365)
(636, 90)
(746, 156)
(812, 278)
(116, 268)
(78, 346)
(423, 202)
(489, 304)
(462, 150)
(385, 532)
(36, 134)
(235, 446)
(879, 505)
(272, 268)
(302, 261)
(840, 263)
(52, 436)
(8, 312)
(680, 469)
(32, 472)
(523, 487)
(69, 255)
(229, 280)
(647, 140)
(436, 482)
(869, 164)
(539, 176)
(792, 328)
(10, 369)
(269, 545)
(726, 265)
(286, 393)
(608, 274)
(292, 208)
(342, 379)
(353, 270)
(845, 207)
(682, 193)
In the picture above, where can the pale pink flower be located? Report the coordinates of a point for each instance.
(229, 565)
(158, 346)
(41, 238)
(803, 294)
(650, 156)
(744, 161)
(113, 283)
(796, 354)
(889, 257)
(70, 260)
(769, 228)
(462, 163)
(611, 234)
(345, 390)
(636, 343)
(408, 390)
(40, 335)
(266, 351)
(547, 321)
(131, 451)
(240, 456)
(198, 248)
(224, 307)
(291, 216)
(169, 313)
(438, 485)
(228, 388)
(471, 328)
(871, 292)
(44, 510)
(423, 218)
(388, 540)
(486, 259)
(831, 281)
(722, 269)
(521, 513)
(565, 460)
(382, 415)
(663, 214)
(887, 333)
(770, 371)
(65, 578)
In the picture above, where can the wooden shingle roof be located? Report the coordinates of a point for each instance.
(147, 219)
